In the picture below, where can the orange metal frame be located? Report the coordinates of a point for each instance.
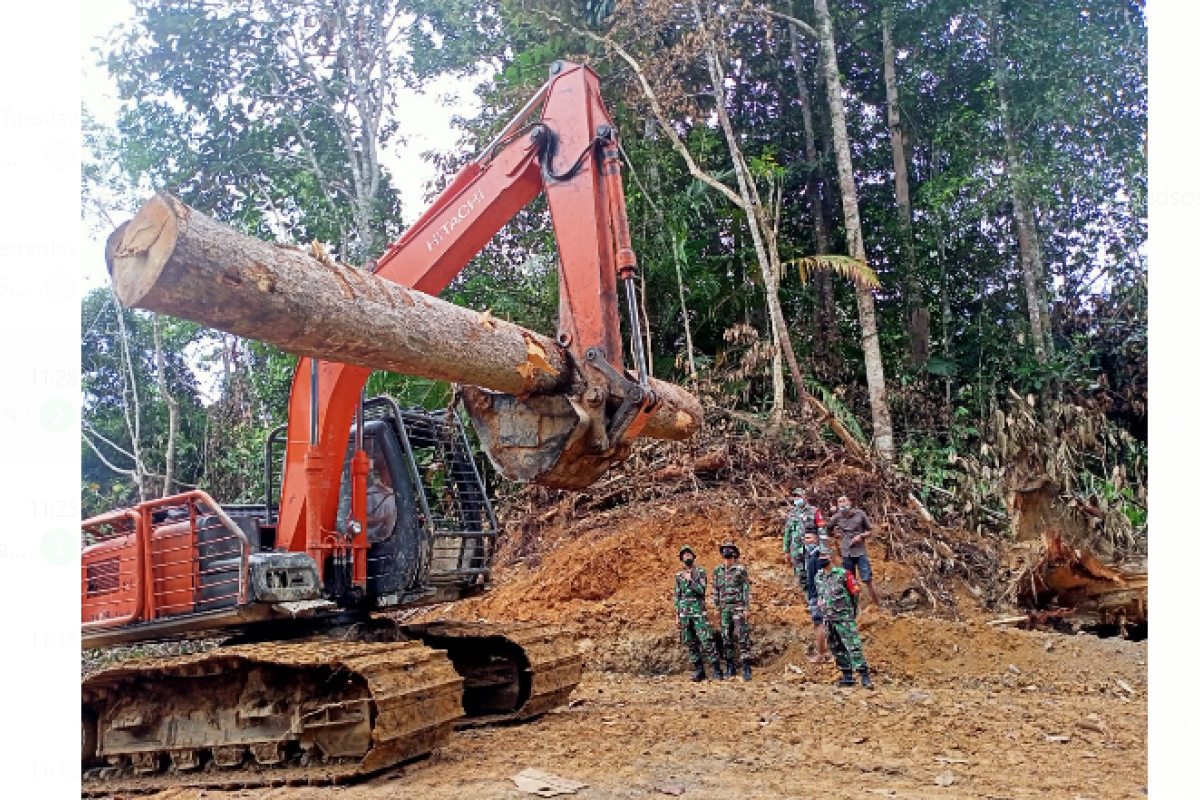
(590, 225)
(154, 569)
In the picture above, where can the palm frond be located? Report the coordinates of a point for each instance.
(853, 270)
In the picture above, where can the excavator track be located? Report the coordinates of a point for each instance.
(511, 671)
(316, 711)
(267, 714)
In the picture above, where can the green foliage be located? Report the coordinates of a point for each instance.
(839, 409)
(218, 110)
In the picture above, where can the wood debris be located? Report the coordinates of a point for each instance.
(545, 784)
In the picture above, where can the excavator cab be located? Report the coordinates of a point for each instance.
(430, 524)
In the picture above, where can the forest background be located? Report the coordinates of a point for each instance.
(985, 163)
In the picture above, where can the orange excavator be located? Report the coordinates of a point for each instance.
(372, 508)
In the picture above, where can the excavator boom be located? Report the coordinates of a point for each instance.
(562, 412)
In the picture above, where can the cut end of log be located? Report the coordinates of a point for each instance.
(678, 418)
(137, 251)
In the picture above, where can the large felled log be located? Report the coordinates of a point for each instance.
(175, 260)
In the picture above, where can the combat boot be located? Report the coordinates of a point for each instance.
(847, 678)
(698, 673)
(866, 678)
(746, 670)
(718, 675)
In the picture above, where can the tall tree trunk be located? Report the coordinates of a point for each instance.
(947, 351)
(675, 243)
(881, 416)
(1027, 243)
(826, 329)
(132, 406)
(756, 218)
(916, 313)
(835, 365)
(172, 408)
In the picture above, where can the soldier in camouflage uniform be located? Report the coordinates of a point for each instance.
(731, 596)
(803, 518)
(690, 586)
(839, 607)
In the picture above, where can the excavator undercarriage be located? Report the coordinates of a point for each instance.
(325, 709)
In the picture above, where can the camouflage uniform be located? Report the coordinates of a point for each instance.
(693, 619)
(731, 595)
(841, 631)
(801, 520)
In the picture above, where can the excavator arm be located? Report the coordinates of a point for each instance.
(570, 152)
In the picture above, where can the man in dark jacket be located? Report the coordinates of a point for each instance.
(813, 550)
(852, 528)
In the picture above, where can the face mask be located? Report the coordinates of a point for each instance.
(799, 501)
(687, 562)
(727, 554)
(843, 508)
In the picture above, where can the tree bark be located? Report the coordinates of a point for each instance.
(881, 417)
(676, 243)
(916, 312)
(944, 284)
(132, 406)
(835, 366)
(172, 409)
(826, 313)
(175, 260)
(1032, 274)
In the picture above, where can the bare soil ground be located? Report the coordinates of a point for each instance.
(962, 709)
(1061, 727)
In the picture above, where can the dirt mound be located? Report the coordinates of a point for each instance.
(609, 576)
(617, 569)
